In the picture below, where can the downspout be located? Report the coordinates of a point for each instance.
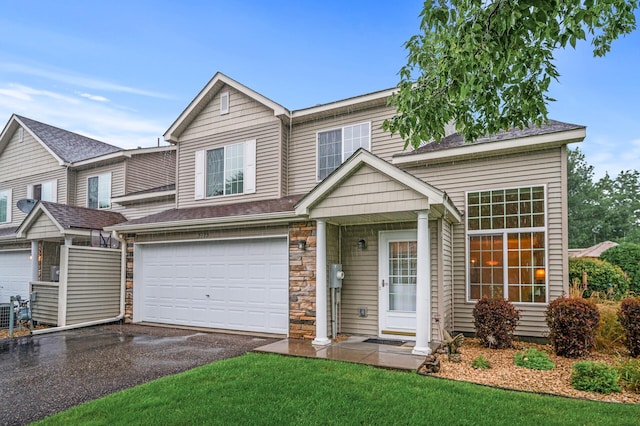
(123, 281)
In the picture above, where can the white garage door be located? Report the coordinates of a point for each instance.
(234, 284)
(15, 274)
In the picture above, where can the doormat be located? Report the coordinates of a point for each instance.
(386, 342)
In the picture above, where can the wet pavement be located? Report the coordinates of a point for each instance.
(48, 373)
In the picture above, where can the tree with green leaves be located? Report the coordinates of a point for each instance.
(486, 65)
(586, 214)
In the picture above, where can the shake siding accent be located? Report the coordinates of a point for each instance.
(368, 192)
(267, 164)
(117, 181)
(93, 284)
(28, 156)
(303, 149)
(214, 234)
(147, 171)
(45, 307)
(243, 112)
(532, 168)
(135, 211)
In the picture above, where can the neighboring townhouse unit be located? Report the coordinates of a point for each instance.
(271, 204)
(80, 185)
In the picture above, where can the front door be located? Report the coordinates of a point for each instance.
(398, 259)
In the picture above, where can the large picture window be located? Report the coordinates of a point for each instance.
(506, 234)
(335, 146)
(99, 191)
(5, 206)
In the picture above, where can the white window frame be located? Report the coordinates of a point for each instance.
(343, 153)
(248, 170)
(504, 233)
(224, 103)
(100, 177)
(54, 190)
(8, 194)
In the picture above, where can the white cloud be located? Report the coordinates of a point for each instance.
(609, 156)
(97, 98)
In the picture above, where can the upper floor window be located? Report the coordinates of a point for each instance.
(226, 170)
(336, 145)
(45, 191)
(224, 103)
(99, 191)
(506, 250)
(5, 206)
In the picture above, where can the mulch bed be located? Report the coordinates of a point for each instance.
(505, 374)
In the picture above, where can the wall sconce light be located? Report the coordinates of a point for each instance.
(302, 244)
(362, 244)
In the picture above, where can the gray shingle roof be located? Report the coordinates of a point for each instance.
(8, 232)
(455, 140)
(81, 217)
(69, 146)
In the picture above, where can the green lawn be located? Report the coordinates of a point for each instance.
(275, 390)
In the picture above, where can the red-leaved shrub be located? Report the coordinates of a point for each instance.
(495, 321)
(572, 326)
(629, 317)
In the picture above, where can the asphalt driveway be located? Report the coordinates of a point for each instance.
(45, 374)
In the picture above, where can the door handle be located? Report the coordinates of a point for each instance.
(382, 283)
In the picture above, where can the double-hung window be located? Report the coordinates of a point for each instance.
(45, 191)
(99, 191)
(227, 170)
(506, 250)
(5, 206)
(336, 145)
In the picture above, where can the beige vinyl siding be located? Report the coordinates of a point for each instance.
(71, 193)
(151, 170)
(138, 210)
(284, 171)
(243, 112)
(333, 256)
(42, 228)
(435, 278)
(303, 144)
(27, 156)
(368, 191)
(50, 257)
(542, 167)
(214, 234)
(92, 283)
(446, 296)
(117, 181)
(45, 306)
(267, 164)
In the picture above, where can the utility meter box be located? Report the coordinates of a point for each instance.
(335, 275)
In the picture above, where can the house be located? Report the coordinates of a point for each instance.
(314, 222)
(71, 186)
(593, 251)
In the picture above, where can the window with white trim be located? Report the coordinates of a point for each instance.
(5, 206)
(228, 170)
(224, 103)
(506, 250)
(99, 191)
(45, 191)
(336, 145)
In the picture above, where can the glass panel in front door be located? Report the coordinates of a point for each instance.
(403, 257)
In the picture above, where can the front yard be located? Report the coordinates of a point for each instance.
(273, 389)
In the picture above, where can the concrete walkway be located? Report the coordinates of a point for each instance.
(353, 349)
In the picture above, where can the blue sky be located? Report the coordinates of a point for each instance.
(122, 71)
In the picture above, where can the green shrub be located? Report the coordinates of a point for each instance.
(495, 321)
(481, 363)
(610, 334)
(599, 275)
(572, 326)
(629, 316)
(594, 377)
(627, 257)
(630, 374)
(534, 360)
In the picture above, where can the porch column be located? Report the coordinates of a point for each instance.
(423, 293)
(34, 260)
(321, 284)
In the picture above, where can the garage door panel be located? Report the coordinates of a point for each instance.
(246, 282)
(15, 274)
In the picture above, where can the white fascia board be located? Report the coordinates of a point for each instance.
(343, 103)
(493, 148)
(149, 150)
(208, 223)
(106, 157)
(142, 197)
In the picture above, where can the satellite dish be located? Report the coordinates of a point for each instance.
(26, 204)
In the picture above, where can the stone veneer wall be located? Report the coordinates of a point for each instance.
(128, 295)
(302, 281)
